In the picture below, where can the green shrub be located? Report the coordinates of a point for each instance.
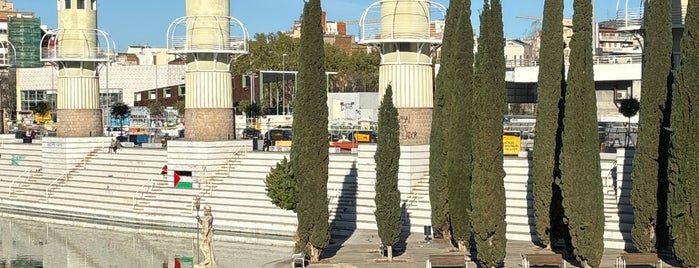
(281, 187)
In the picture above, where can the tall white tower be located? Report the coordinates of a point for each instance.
(406, 33)
(210, 39)
(77, 48)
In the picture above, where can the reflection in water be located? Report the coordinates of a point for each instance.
(29, 244)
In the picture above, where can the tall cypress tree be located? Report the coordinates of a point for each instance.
(440, 122)
(581, 182)
(309, 149)
(649, 161)
(387, 199)
(683, 194)
(488, 185)
(547, 147)
(459, 143)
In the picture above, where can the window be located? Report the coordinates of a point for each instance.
(94, 4)
(166, 92)
(68, 4)
(81, 4)
(181, 90)
(137, 97)
(151, 95)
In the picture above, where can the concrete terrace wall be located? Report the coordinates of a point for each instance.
(126, 187)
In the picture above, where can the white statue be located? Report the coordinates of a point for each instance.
(207, 238)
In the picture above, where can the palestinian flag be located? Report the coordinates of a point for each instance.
(184, 262)
(183, 179)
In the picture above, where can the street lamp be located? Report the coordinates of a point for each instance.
(283, 82)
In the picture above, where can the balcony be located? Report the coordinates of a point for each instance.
(395, 21)
(83, 45)
(207, 34)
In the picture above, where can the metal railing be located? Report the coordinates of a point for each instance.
(55, 183)
(142, 190)
(10, 188)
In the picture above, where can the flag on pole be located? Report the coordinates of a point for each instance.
(183, 179)
(184, 262)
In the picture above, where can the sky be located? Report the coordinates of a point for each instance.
(145, 22)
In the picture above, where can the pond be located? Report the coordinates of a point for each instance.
(30, 244)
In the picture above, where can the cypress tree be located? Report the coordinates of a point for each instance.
(547, 148)
(459, 142)
(488, 186)
(650, 157)
(581, 182)
(683, 194)
(309, 149)
(387, 199)
(440, 124)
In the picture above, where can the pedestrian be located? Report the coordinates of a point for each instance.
(163, 171)
(112, 146)
(267, 143)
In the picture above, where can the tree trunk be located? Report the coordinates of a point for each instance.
(462, 246)
(315, 254)
(389, 253)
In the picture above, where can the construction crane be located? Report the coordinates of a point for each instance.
(536, 23)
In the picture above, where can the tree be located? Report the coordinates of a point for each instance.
(651, 156)
(155, 109)
(281, 187)
(547, 148)
(309, 149)
(387, 199)
(121, 110)
(683, 191)
(42, 108)
(629, 107)
(488, 179)
(180, 105)
(439, 194)
(581, 182)
(459, 143)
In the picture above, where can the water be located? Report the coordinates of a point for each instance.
(33, 244)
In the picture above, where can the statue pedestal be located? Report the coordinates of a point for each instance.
(206, 266)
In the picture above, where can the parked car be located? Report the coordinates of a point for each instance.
(250, 133)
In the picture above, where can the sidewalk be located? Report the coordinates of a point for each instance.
(361, 251)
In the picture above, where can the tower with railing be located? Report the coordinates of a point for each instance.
(406, 33)
(78, 49)
(209, 39)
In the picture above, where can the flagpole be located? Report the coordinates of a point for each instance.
(196, 205)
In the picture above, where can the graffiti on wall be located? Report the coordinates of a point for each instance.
(406, 132)
(16, 158)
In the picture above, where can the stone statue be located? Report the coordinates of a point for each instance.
(207, 238)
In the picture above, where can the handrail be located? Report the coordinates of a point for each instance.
(9, 190)
(414, 197)
(142, 191)
(230, 161)
(48, 188)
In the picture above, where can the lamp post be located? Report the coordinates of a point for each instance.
(283, 81)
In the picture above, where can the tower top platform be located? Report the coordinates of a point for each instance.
(7, 54)
(84, 45)
(402, 21)
(207, 34)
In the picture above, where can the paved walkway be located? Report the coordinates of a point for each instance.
(361, 250)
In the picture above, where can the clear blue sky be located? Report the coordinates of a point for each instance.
(140, 22)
